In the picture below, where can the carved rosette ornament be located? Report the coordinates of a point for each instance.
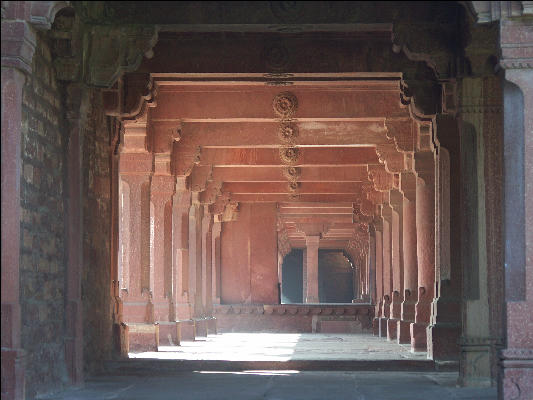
(288, 132)
(289, 155)
(292, 173)
(285, 105)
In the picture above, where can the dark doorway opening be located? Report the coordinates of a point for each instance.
(292, 277)
(335, 277)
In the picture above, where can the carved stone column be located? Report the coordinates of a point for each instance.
(445, 328)
(215, 281)
(181, 204)
(425, 241)
(311, 294)
(162, 189)
(386, 212)
(378, 226)
(410, 282)
(396, 202)
(135, 171)
(12, 85)
(517, 59)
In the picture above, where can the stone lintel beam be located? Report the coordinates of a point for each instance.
(264, 133)
(332, 173)
(255, 102)
(312, 228)
(280, 197)
(347, 156)
(303, 188)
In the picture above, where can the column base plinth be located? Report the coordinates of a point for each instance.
(169, 333)
(443, 342)
(201, 328)
(383, 327)
(375, 326)
(142, 337)
(392, 331)
(211, 326)
(404, 332)
(13, 361)
(418, 337)
(187, 329)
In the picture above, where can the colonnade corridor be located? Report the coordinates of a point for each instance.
(267, 200)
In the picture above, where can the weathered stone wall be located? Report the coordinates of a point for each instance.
(51, 113)
(43, 219)
(95, 278)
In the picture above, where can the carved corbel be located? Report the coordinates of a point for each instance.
(382, 180)
(231, 212)
(212, 192)
(184, 159)
(402, 130)
(115, 50)
(389, 156)
(200, 176)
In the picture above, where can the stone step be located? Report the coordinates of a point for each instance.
(151, 367)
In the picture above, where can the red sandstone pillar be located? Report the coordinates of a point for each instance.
(425, 237)
(378, 224)
(162, 189)
(215, 272)
(410, 281)
(517, 357)
(386, 212)
(311, 295)
(135, 170)
(12, 353)
(195, 255)
(396, 201)
(181, 205)
(207, 246)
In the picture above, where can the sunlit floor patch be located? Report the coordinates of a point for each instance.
(285, 347)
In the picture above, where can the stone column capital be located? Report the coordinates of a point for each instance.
(312, 240)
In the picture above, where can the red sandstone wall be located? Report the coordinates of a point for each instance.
(249, 256)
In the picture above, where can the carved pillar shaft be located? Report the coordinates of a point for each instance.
(181, 204)
(161, 196)
(195, 255)
(207, 274)
(396, 199)
(216, 254)
(425, 240)
(311, 243)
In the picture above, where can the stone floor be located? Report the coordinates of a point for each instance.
(278, 385)
(284, 347)
(204, 373)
